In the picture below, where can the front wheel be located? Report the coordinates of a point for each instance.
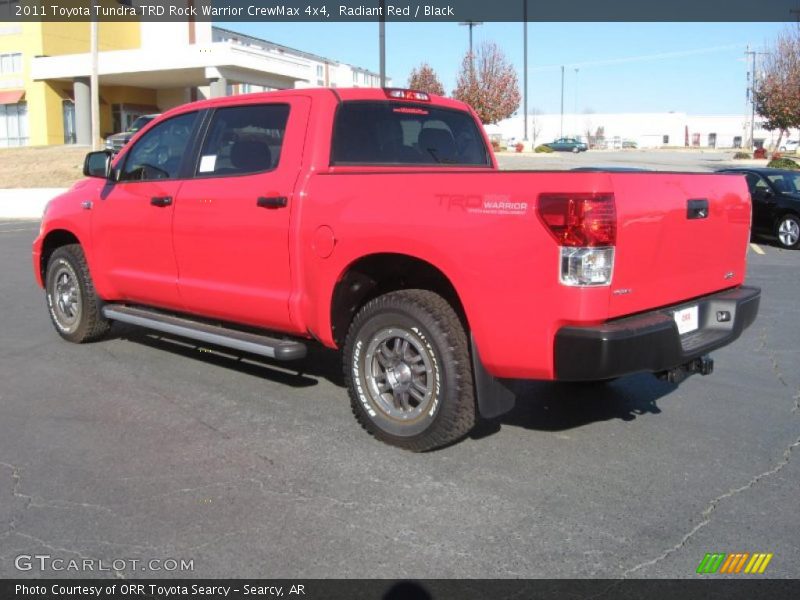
(787, 231)
(74, 306)
(407, 368)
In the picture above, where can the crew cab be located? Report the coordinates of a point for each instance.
(376, 221)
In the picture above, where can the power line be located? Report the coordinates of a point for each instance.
(642, 58)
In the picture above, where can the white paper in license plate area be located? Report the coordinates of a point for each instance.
(686, 319)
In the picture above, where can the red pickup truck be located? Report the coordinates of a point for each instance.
(377, 221)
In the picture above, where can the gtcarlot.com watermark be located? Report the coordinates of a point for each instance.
(46, 562)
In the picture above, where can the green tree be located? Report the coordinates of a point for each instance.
(424, 79)
(488, 83)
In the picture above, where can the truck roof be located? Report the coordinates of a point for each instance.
(341, 94)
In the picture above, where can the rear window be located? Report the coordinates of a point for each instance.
(400, 133)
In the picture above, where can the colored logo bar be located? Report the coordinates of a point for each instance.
(742, 562)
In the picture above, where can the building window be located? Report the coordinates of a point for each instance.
(10, 63)
(320, 71)
(13, 125)
(355, 76)
(665, 140)
(320, 83)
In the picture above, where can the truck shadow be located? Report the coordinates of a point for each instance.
(319, 363)
(549, 406)
(540, 405)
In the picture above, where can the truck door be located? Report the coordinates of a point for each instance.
(132, 218)
(231, 229)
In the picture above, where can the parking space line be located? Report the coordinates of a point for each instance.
(757, 249)
(13, 230)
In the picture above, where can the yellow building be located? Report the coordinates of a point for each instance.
(143, 68)
(40, 112)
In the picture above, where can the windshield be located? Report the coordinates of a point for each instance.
(788, 183)
(401, 133)
(139, 123)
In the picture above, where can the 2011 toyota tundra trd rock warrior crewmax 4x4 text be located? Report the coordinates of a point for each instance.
(376, 221)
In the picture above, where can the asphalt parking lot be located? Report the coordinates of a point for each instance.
(142, 448)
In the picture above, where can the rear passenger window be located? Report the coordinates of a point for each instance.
(399, 133)
(243, 139)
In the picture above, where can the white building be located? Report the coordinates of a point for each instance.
(646, 130)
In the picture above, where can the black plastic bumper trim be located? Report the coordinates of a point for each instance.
(649, 342)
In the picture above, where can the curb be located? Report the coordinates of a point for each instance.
(26, 203)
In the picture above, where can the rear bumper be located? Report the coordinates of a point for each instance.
(649, 342)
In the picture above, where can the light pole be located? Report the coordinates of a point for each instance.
(471, 25)
(525, 66)
(562, 102)
(576, 91)
(94, 79)
(382, 41)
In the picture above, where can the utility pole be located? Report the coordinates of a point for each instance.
(471, 25)
(382, 40)
(94, 79)
(525, 66)
(752, 93)
(562, 102)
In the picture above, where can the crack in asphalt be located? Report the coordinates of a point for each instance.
(706, 514)
(711, 507)
(16, 477)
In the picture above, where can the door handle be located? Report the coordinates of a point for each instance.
(272, 202)
(161, 201)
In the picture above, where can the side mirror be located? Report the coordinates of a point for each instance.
(98, 164)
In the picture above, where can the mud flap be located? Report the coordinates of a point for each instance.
(494, 395)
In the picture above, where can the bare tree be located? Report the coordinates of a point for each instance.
(424, 79)
(777, 97)
(536, 125)
(488, 83)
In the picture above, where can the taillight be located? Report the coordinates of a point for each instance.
(585, 226)
(580, 220)
(398, 94)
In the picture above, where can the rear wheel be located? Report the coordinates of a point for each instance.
(407, 368)
(73, 304)
(787, 230)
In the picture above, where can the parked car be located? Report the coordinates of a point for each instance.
(629, 145)
(116, 141)
(776, 203)
(568, 145)
(790, 146)
(377, 222)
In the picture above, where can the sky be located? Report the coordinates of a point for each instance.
(698, 68)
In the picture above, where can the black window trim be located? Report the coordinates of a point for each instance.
(198, 148)
(182, 168)
(334, 163)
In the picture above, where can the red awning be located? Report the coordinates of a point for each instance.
(11, 96)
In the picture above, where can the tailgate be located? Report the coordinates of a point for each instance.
(668, 248)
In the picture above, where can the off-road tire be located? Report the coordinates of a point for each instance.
(430, 327)
(67, 270)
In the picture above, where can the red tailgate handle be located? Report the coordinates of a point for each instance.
(272, 202)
